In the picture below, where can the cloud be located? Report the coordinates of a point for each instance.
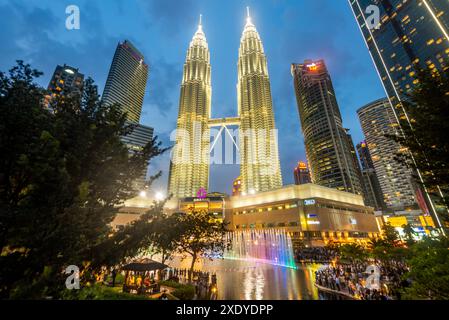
(164, 80)
(171, 16)
(39, 37)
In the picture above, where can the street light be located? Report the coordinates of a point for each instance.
(159, 196)
(143, 194)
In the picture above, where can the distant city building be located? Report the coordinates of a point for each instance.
(127, 80)
(135, 142)
(370, 183)
(65, 79)
(328, 147)
(302, 174)
(378, 120)
(365, 156)
(237, 187)
(355, 159)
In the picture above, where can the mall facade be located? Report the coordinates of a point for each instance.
(312, 215)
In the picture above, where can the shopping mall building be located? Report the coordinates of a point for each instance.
(311, 214)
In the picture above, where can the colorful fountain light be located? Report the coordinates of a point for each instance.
(268, 246)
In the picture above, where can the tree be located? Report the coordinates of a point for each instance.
(63, 172)
(388, 247)
(425, 133)
(166, 237)
(390, 235)
(409, 234)
(352, 252)
(201, 235)
(429, 270)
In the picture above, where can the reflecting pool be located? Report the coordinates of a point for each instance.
(252, 280)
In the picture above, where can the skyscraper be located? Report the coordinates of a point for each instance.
(127, 80)
(371, 188)
(328, 147)
(378, 120)
(189, 169)
(125, 85)
(259, 159)
(365, 156)
(136, 141)
(302, 173)
(412, 35)
(65, 79)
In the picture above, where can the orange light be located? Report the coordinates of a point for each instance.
(302, 165)
(312, 67)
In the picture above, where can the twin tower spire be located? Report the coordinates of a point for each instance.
(259, 158)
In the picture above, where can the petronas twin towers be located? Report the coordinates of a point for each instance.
(259, 158)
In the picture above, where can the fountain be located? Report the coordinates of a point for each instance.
(272, 246)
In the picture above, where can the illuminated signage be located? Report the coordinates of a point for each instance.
(312, 67)
(309, 202)
(311, 215)
(201, 194)
(353, 221)
(313, 222)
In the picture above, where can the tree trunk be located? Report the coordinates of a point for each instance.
(194, 256)
(163, 256)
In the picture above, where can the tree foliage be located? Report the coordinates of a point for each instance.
(63, 172)
(429, 270)
(201, 235)
(425, 125)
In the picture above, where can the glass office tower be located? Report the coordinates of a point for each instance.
(412, 35)
(127, 80)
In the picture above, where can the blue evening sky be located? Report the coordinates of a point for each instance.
(291, 31)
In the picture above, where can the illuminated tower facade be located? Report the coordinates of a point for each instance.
(302, 173)
(329, 148)
(65, 79)
(189, 169)
(259, 158)
(411, 35)
(378, 121)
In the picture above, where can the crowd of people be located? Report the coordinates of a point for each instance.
(205, 283)
(315, 255)
(365, 281)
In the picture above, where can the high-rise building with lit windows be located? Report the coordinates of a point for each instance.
(372, 192)
(302, 173)
(127, 80)
(260, 169)
(189, 169)
(412, 35)
(65, 79)
(378, 121)
(328, 146)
